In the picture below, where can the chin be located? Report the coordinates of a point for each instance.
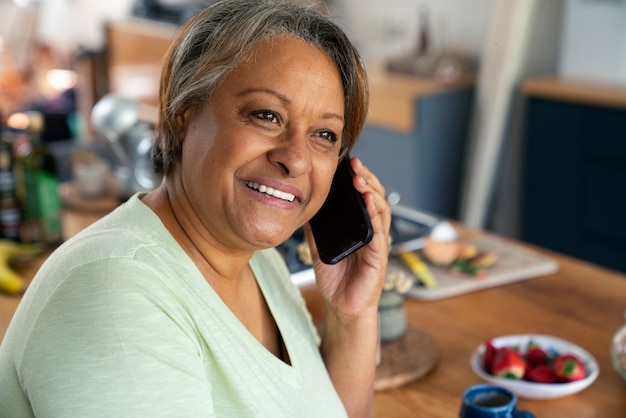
(271, 237)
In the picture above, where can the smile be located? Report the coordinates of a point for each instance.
(270, 191)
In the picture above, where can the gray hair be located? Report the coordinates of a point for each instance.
(217, 38)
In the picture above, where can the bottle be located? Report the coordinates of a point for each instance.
(618, 350)
(423, 39)
(424, 59)
(38, 186)
(10, 216)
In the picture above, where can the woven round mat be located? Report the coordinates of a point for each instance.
(406, 359)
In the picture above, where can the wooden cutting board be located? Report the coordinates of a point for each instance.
(514, 264)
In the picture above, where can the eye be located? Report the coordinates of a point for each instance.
(266, 116)
(329, 136)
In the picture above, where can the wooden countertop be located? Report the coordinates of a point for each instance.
(581, 303)
(577, 91)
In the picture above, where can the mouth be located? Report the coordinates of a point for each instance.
(269, 191)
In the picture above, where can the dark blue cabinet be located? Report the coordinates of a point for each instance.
(575, 189)
(424, 166)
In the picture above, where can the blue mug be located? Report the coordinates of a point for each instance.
(490, 401)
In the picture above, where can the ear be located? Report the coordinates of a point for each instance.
(182, 121)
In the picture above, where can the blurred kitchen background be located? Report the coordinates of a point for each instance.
(505, 115)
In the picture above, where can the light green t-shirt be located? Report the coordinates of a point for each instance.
(120, 323)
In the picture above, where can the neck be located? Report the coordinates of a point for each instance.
(222, 267)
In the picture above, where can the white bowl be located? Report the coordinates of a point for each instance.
(532, 390)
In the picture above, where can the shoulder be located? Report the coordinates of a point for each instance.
(123, 263)
(127, 232)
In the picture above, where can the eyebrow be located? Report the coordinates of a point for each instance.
(284, 99)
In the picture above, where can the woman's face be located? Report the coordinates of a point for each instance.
(259, 157)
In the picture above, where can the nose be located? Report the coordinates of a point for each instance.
(292, 154)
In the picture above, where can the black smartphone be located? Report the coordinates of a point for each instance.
(342, 225)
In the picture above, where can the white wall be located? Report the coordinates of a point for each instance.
(383, 29)
(17, 32)
(71, 23)
(594, 40)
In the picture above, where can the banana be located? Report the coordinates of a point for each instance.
(10, 281)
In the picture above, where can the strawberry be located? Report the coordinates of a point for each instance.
(535, 355)
(568, 368)
(541, 373)
(490, 353)
(508, 363)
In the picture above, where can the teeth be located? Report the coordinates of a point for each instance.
(271, 192)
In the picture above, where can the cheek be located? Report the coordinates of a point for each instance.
(191, 156)
(322, 181)
(196, 148)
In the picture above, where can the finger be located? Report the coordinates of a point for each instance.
(370, 180)
(378, 207)
(379, 211)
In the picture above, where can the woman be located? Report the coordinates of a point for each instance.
(176, 304)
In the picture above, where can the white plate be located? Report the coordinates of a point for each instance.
(532, 390)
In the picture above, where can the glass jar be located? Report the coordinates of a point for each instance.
(392, 315)
(618, 350)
